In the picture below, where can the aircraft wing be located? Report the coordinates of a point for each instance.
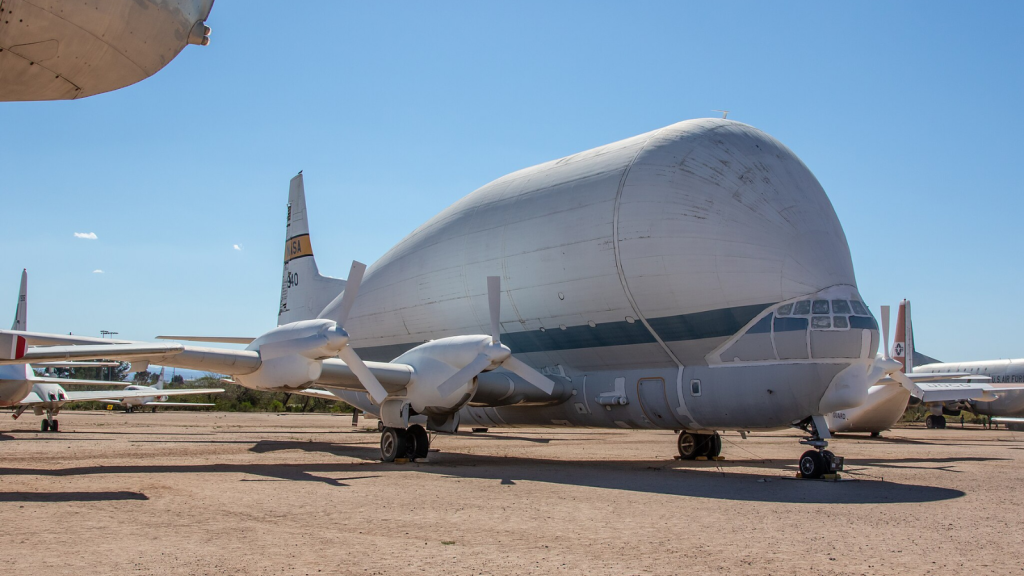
(87, 351)
(98, 395)
(155, 403)
(935, 376)
(1008, 419)
(336, 373)
(72, 364)
(959, 391)
(219, 339)
(77, 382)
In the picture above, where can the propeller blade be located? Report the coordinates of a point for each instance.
(885, 331)
(905, 382)
(494, 303)
(467, 373)
(363, 374)
(519, 368)
(339, 308)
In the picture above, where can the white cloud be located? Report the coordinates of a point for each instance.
(237, 247)
(86, 235)
(97, 271)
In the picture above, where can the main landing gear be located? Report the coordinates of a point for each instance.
(933, 421)
(412, 443)
(819, 461)
(49, 424)
(693, 445)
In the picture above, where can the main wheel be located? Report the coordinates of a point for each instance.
(54, 426)
(45, 426)
(929, 422)
(876, 434)
(714, 445)
(419, 442)
(812, 464)
(689, 445)
(940, 422)
(394, 443)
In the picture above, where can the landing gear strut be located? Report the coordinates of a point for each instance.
(398, 443)
(693, 445)
(819, 461)
(49, 424)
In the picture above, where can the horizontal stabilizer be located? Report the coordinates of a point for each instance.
(218, 339)
(315, 393)
(42, 339)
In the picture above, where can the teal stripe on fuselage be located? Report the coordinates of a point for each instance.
(696, 326)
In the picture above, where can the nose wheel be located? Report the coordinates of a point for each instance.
(818, 462)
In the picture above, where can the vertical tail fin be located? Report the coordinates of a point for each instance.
(160, 381)
(304, 292)
(21, 312)
(903, 343)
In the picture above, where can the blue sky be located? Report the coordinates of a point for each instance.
(908, 113)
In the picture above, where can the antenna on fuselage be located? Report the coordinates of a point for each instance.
(724, 113)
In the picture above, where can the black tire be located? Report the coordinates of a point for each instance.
(830, 458)
(940, 422)
(55, 426)
(419, 442)
(929, 422)
(688, 445)
(480, 430)
(45, 426)
(715, 446)
(812, 464)
(394, 443)
(876, 434)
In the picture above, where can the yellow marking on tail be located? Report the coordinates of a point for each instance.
(297, 247)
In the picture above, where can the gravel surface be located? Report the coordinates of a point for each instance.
(216, 493)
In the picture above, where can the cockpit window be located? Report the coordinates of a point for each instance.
(819, 322)
(840, 321)
(802, 307)
(820, 307)
(784, 310)
(859, 308)
(840, 307)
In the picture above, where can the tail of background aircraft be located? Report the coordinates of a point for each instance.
(903, 349)
(304, 292)
(21, 312)
(903, 341)
(160, 381)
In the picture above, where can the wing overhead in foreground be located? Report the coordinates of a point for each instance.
(87, 351)
(217, 339)
(75, 382)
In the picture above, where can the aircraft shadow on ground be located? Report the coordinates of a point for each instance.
(70, 496)
(717, 480)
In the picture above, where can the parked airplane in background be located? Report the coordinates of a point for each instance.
(158, 399)
(21, 389)
(945, 388)
(68, 49)
(693, 278)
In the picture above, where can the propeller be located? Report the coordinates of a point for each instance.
(338, 311)
(885, 332)
(495, 353)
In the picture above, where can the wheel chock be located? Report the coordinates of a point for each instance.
(718, 458)
(401, 460)
(701, 458)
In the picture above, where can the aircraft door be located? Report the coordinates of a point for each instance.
(654, 403)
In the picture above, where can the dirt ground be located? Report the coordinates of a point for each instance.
(216, 493)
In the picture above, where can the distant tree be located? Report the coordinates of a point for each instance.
(177, 379)
(142, 377)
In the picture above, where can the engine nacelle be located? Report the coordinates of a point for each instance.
(435, 362)
(292, 372)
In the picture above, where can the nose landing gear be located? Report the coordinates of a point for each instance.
(816, 463)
